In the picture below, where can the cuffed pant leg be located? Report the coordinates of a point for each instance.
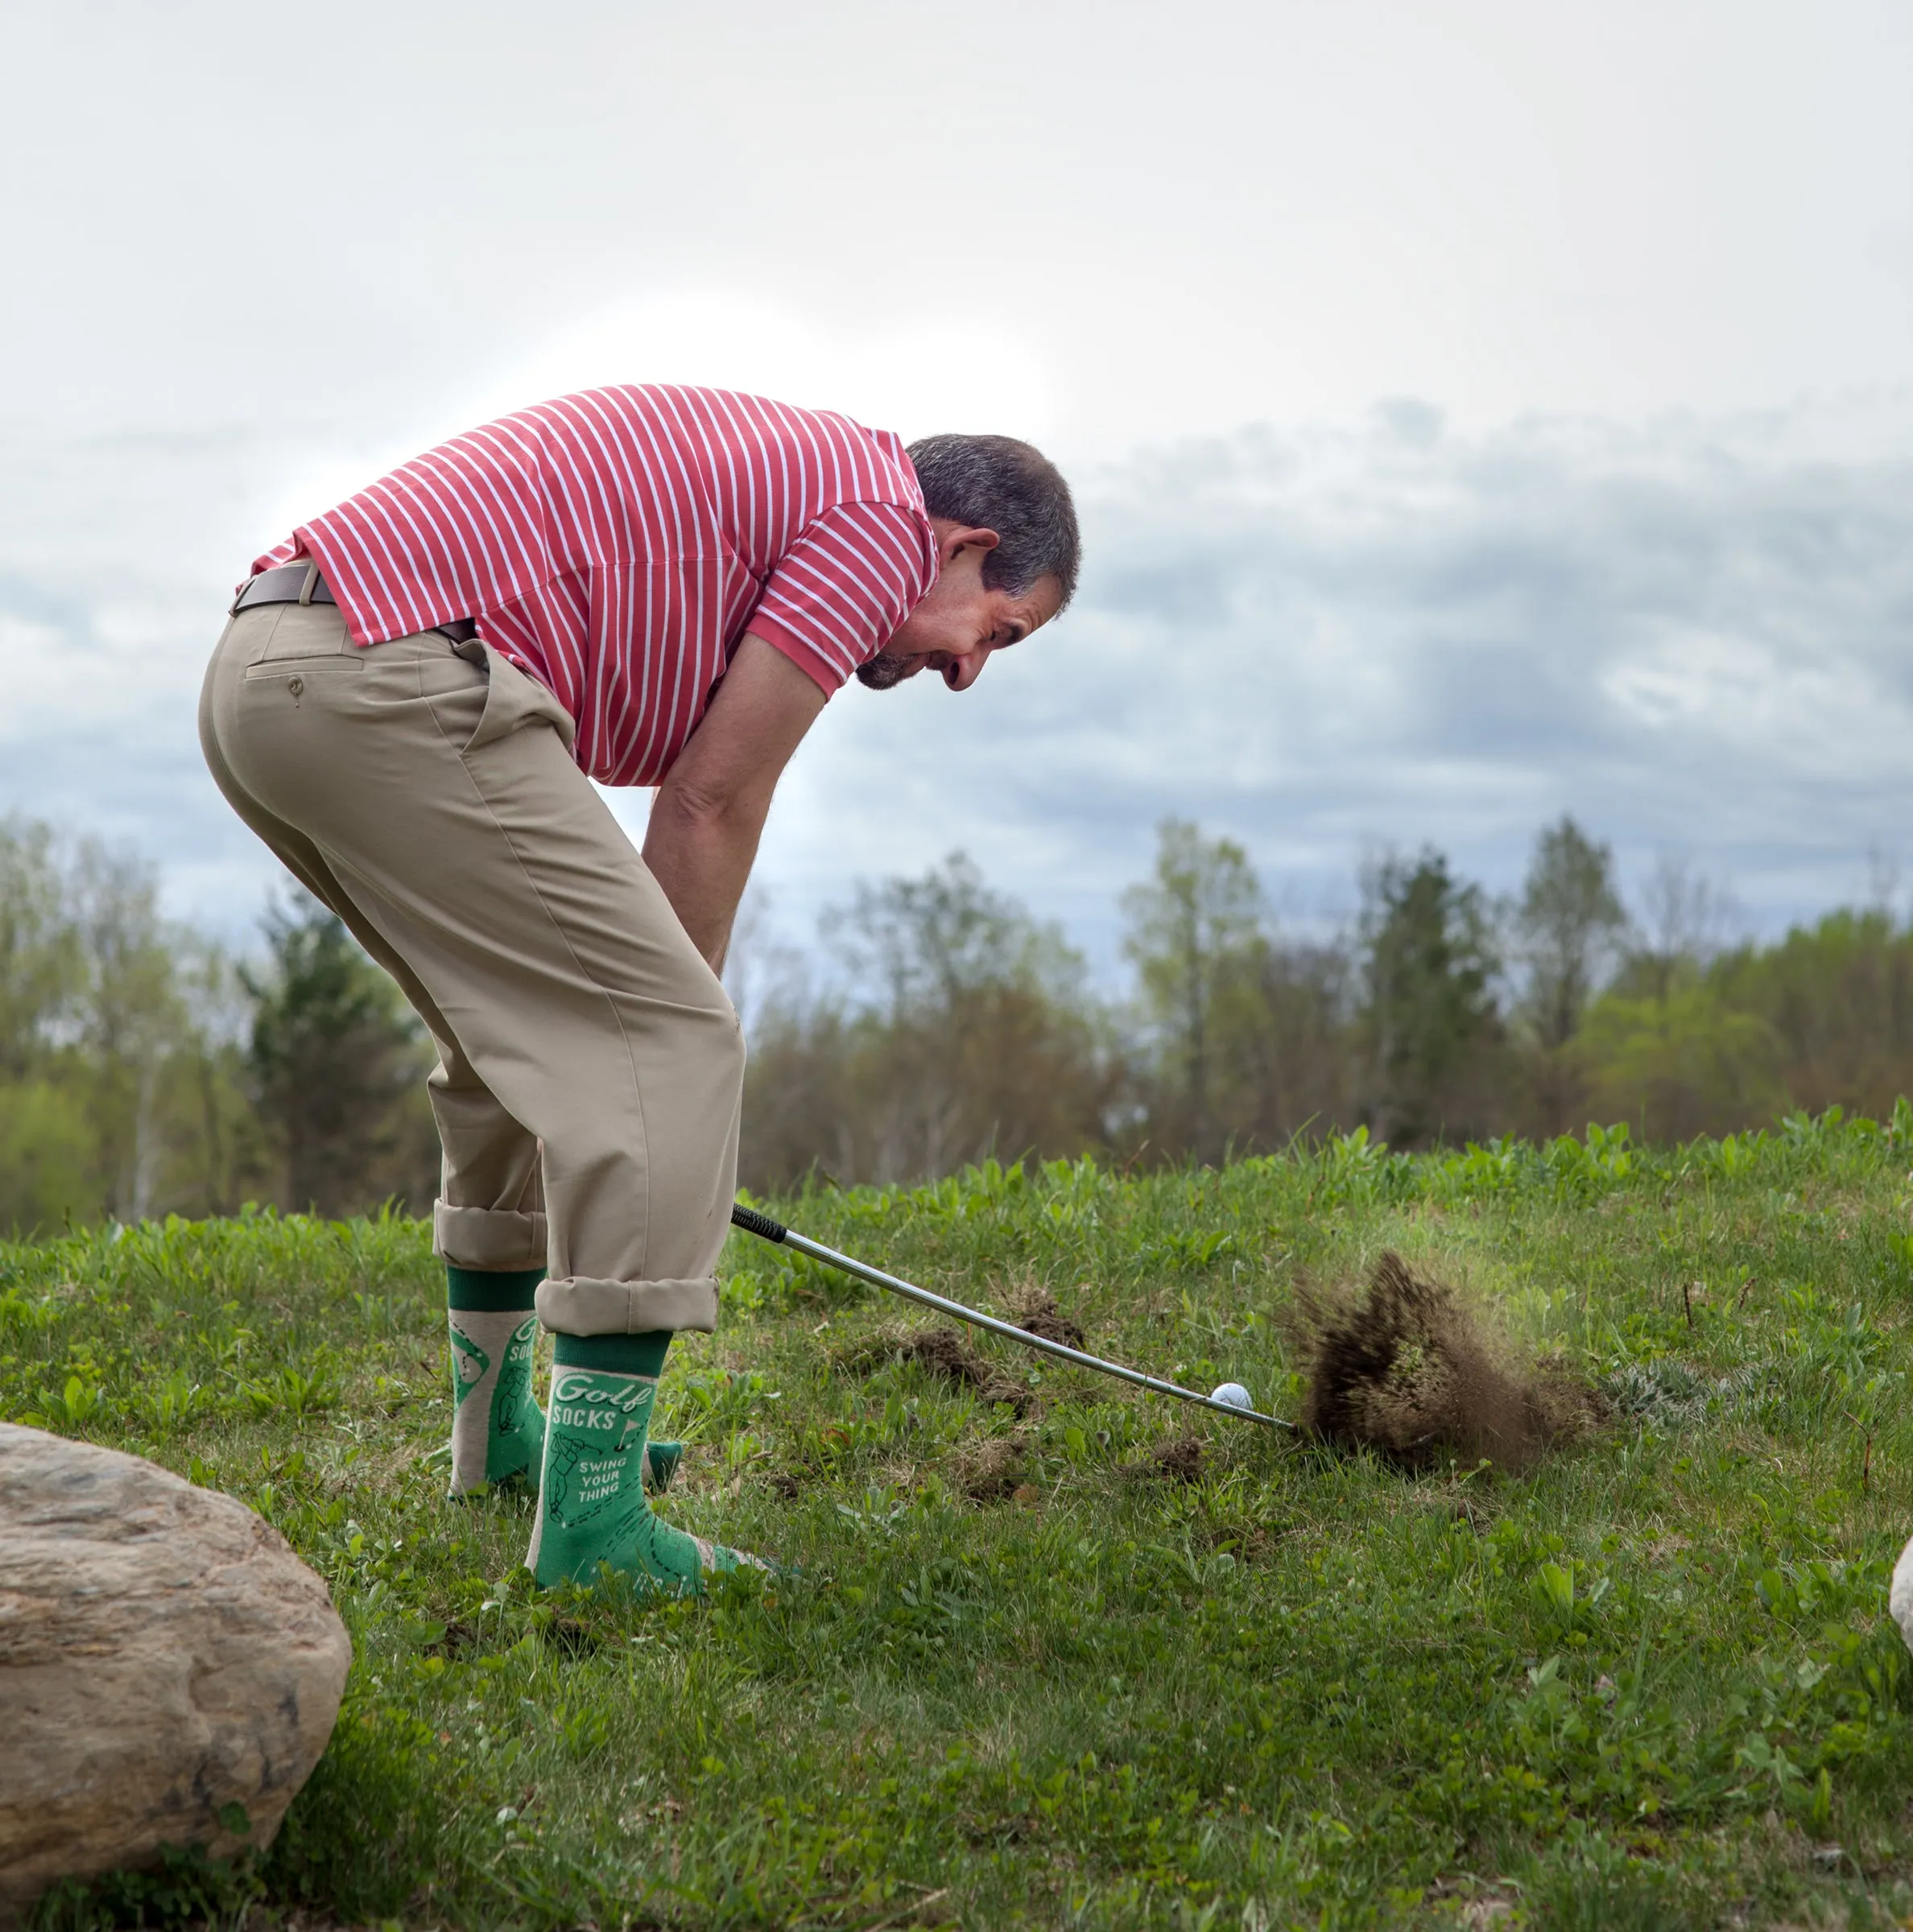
(490, 1211)
(441, 795)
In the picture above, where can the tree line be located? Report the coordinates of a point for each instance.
(144, 1070)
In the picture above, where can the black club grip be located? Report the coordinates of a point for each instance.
(754, 1222)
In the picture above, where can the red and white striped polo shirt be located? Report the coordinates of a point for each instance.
(617, 544)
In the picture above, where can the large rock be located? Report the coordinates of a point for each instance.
(163, 1655)
(1902, 1599)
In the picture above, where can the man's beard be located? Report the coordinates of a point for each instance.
(884, 672)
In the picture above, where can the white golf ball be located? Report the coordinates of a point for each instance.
(1234, 1394)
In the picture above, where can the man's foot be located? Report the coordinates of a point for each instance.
(497, 1430)
(591, 1507)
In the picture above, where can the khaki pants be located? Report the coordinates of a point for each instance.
(590, 1067)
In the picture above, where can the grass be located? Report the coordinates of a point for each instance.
(1652, 1683)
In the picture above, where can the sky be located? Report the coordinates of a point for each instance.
(1478, 413)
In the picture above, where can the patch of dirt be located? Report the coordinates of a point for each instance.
(942, 1351)
(1184, 1460)
(1035, 1310)
(990, 1471)
(784, 1484)
(1408, 1367)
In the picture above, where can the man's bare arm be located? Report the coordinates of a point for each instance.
(709, 811)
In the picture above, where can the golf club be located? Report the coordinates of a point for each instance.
(766, 1229)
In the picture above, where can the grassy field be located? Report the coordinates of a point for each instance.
(1027, 1672)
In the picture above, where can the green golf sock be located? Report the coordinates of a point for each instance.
(591, 1503)
(497, 1430)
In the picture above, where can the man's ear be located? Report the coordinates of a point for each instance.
(958, 538)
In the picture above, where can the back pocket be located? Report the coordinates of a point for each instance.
(312, 635)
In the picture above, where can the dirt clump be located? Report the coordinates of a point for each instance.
(1035, 1310)
(1184, 1460)
(990, 1471)
(1408, 1367)
(941, 1351)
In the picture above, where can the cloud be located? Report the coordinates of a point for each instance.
(918, 379)
(1693, 633)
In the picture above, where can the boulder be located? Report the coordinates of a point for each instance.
(1902, 1598)
(163, 1656)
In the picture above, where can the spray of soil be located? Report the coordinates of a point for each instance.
(1410, 1368)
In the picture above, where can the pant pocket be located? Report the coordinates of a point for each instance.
(513, 700)
(300, 632)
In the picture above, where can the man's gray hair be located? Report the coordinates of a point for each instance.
(998, 483)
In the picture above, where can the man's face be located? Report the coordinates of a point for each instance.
(963, 620)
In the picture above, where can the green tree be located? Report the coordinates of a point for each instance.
(961, 1028)
(968, 1030)
(1285, 1035)
(40, 967)
(1569, 928)
(1838, 997)
(47, 1175)
(119, 1093)
(335, 1054)
(1429, 1019)
(926, 943)
(1196, 939)
(132, 1022)
(1683, 1064)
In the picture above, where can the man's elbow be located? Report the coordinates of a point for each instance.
(693, 806)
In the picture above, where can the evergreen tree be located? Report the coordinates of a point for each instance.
(1428, 967)
(334, 1054)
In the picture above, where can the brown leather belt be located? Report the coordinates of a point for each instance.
(301, 584)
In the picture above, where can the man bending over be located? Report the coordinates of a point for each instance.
(643, 585)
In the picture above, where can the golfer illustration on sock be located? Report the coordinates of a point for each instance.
(647, 585)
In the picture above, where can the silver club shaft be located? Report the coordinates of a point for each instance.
(763, 1225)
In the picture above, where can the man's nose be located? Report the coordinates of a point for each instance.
(962, 672)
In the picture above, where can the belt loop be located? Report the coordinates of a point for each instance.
(239, 596)
(311, 584)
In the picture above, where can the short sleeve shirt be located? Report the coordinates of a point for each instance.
(617, 544)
